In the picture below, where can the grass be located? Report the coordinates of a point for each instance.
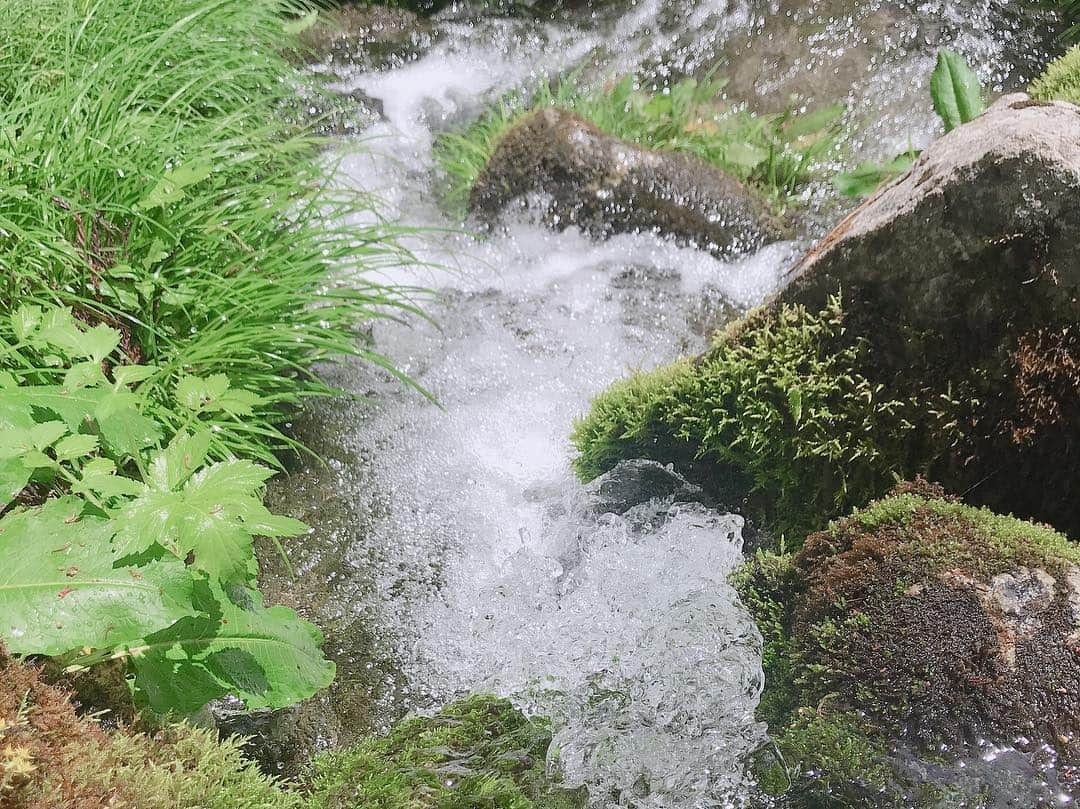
(153, 184)
(777, 154)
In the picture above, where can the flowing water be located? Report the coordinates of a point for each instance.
(456, 551)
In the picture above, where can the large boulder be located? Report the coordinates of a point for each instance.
(605, 185)
(964, 279)
(935, 331)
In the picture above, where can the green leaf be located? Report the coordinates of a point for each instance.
(44, 435)
(745, 156)
(99, 477)
(811, 123)
(24, 320)
(198, 394)
(179, 460)
(75, 446)
(14, 475)
(795, 404)
(267, 657)
(131, 374)
(868, 177)
(170, 187)
(84, 375)
(99, 342)
(955, 90)
(59, 590)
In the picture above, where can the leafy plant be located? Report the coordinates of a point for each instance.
(775, 153)
(957, 98)
(955, 90)
(137, 551)
(1061, 79)
(155, 184)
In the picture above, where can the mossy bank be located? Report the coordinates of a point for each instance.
(916, 626)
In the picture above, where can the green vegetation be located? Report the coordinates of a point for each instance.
(1061, 79)
(957, 97)
(153, 185)
(775, 153)
(50, 758)
(863, 627)
(479, 752)
(174, 262)
(776, 411)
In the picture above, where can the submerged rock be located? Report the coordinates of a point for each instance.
(605, 185)
(914, 637)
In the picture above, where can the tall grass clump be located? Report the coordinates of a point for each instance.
(776, 153)
(174, 260)
(152, 184)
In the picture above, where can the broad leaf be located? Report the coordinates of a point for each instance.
(956, 90)
(268, 657)
(170, 187)
(869, 177)
(59, 590)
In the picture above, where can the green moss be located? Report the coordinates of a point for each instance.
(777, 413)
(1061, 79)
(829, 755)
(476, 753)
(862, 631)
(630, 419)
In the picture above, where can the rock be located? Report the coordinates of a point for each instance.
(918, 634)
(605, 185)
(934, 331)
(373, 35)
(638, 481)
(963, 278)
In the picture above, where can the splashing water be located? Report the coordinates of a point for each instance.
(458, 553)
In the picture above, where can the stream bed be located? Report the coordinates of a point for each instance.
(454, 549)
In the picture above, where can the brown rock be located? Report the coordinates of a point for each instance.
(605, 185)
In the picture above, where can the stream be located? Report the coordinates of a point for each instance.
(455, 551)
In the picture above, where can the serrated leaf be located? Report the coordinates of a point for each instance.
(131, 374)
(955, 90)
(99, 477)
(268, 657)
(198, 394)
(59, 590)
(24, 320)
(99, 342)
(83, 375)
(44, 435)
(75, 446)
(179, 460)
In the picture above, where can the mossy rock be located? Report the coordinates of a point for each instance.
(1061, 79)
(478, 753)
(775, 419)
(914, 626)
(52, 758)
(933, 332)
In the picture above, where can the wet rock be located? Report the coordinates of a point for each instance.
(604, 185)
(632, 483)
(373, 35)
(964, 280)
(913, 638)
